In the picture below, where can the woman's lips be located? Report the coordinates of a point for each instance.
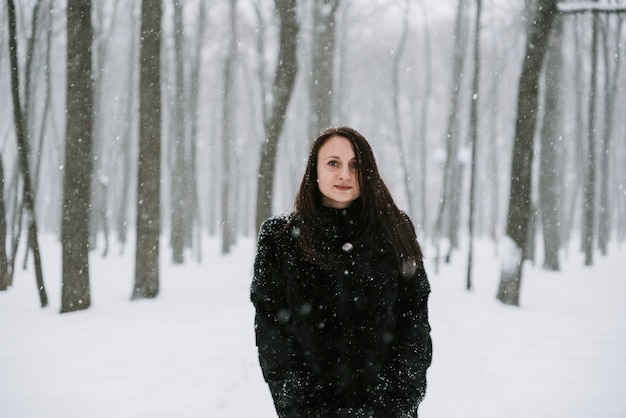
(343, 188)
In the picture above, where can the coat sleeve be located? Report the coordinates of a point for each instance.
(291, 385)
(402, 382)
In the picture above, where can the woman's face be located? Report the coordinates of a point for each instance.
(337, 173)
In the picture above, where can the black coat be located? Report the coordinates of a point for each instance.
(350, 339)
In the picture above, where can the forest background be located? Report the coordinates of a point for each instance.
(456, 98)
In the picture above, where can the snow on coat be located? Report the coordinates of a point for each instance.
(350, 339)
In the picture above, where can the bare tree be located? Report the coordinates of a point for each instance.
(322, 66)
(228, 134)
(423, 119)
(549, 187)
(149, 160)
(521, 167)
(28, 103)
(587, 159)
(31, 102)
(129, 133)
(286, 69)
(575, 156)
(451, 169)
(474, 137)
(23, 150)
(75, 293)
(395, 102)
(612, 64)
(181, 209)
(194, 102)
(103, 30)
(589, 184)
(4, 262)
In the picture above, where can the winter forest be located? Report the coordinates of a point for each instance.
(142, 142)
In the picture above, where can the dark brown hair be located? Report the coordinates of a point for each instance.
(379, 215)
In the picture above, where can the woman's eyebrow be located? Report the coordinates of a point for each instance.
(337, 157)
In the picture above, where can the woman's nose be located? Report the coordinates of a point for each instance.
(344, 174)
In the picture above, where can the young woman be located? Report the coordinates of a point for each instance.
(341, 293)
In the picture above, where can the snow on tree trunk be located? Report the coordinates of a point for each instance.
(511, 272)
(523, 148)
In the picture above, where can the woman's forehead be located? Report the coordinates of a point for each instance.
(337, 144)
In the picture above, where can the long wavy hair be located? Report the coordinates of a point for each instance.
(380, 217)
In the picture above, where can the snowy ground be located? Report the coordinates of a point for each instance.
(191, 352)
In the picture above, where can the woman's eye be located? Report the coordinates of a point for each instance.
(333, 163)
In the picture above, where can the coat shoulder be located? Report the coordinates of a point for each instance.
(275, 225)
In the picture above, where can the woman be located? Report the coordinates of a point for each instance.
(341, 293)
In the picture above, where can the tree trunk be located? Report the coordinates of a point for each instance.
(521, 168)
(395, 100)
(15, 222)
(4, 262)
(450, 167)
(180, 207)
(228, 135)
(423, 133)
(128, 135)
(101, 144)
(78, 159)
(286, 69)
(24, 151)
(28, 113)
(589, 184)
(149, 160)
(322, 65)
(576, 159)
(493, 170)
(46, 107)
(474, 138)
(612, 65)
(551, 136)
(194, 102)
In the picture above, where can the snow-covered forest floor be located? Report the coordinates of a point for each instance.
(191, 352)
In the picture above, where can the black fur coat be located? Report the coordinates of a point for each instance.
(350, 339)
